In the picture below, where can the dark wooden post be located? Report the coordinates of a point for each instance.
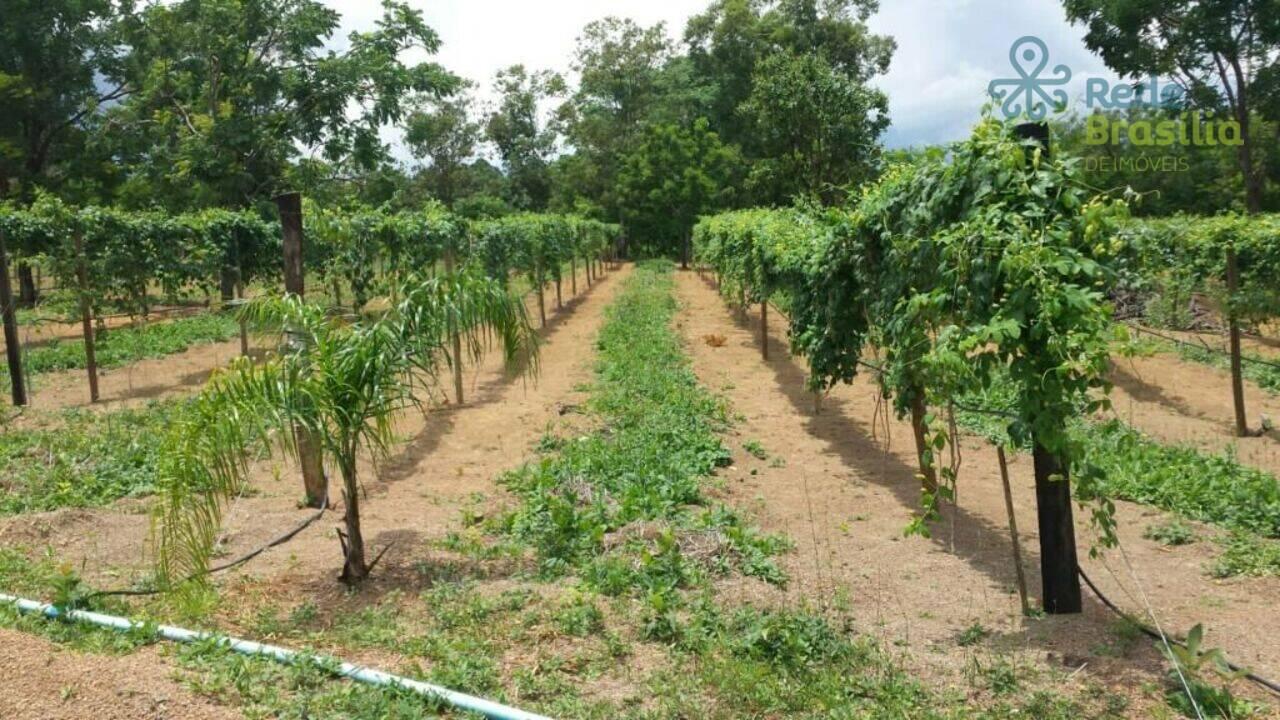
(12, 348)
(86, 316)
(542, 303)
(764, 329)
(559, 302)
(1233, 335)
(315, 484)
(1058, 562)
(573, 274)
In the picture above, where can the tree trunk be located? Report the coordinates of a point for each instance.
(28, 294)
(573, 274)
(1058, 563)
(227, 283)
(456, 338)
(929, 476)
(559, 302)
(1253, 204)
(354, 567)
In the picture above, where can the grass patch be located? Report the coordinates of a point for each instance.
(82, 459)
(121, 346)
(1246, 554)
(624, 505)
(1213, 488)
(1210, 487)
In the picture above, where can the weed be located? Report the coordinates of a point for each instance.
(756, 449)
(84, 459)
(972, 635)
(1172, 533)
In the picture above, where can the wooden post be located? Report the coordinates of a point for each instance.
(12, 348)
(764, 329)
(542, 303)
(586, 267)
(573, 274)
(27, 286)
(86, 316)
(1233, 335)
(559, 302)
(1013, 531)
(1058, 562)
(244, 327)
(315, 484)
(456, 337)
(1058, 569)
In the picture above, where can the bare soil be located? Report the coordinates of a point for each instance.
(46, 681)
(842, 484)
(449, 460)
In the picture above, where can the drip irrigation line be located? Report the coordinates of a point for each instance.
(1152, 633)
(277, 542)
(1184, 343)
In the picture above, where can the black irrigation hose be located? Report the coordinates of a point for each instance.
(1177, 341)
(1150, 632)
(286, 537)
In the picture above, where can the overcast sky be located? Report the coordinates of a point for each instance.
(948, 50)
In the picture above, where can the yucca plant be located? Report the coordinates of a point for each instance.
(344, 382)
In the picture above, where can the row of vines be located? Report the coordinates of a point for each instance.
(990, 266)
(116, 260)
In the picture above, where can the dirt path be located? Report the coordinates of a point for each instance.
(844, 494)
(1178, 401)
(451, 457)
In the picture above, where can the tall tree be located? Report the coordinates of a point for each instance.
(445, 135)
(729, 40)
(525, 141)
(817, 129)
(624, 81)
(60, 61)
(236, 90)
(1224, 52)
(673, 175)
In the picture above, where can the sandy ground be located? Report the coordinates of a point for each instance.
(45, 681)
(450, 458)
(841, 484)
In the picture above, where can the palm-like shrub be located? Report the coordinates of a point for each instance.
(343, 382)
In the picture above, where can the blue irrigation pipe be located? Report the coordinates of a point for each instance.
(368, 676)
